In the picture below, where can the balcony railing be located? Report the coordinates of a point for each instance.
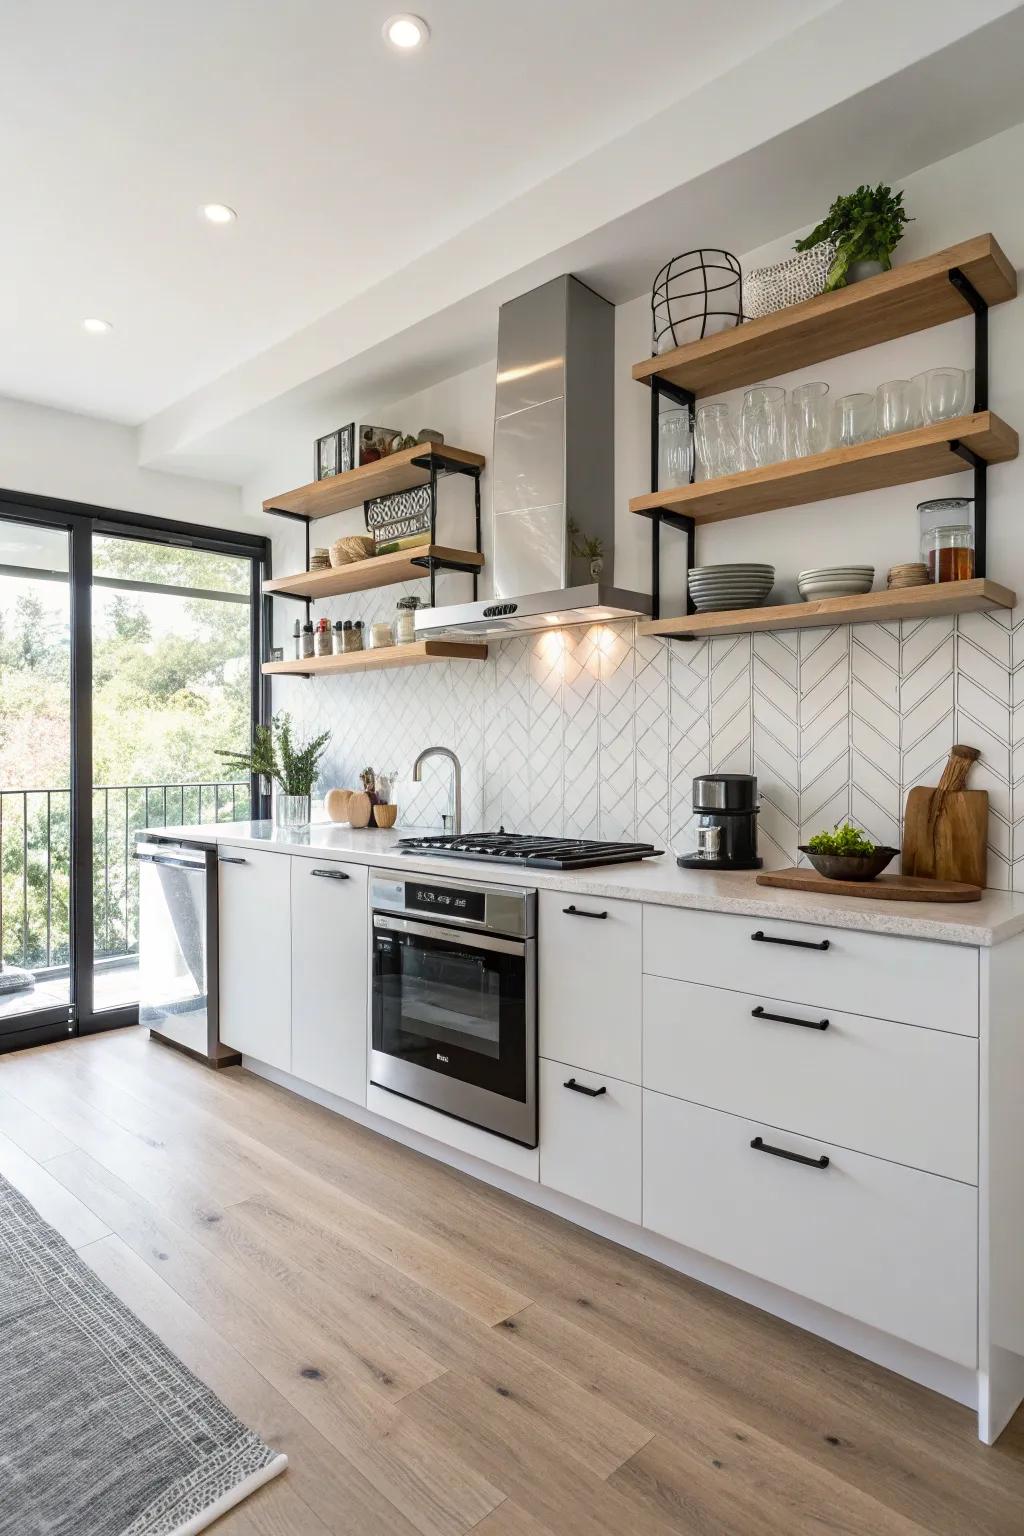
(35, 862)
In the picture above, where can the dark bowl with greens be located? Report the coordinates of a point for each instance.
(846, 854)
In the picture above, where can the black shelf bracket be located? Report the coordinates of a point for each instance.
(979, 308)
(686, 399)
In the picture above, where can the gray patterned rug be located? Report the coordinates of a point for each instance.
(103, 1432)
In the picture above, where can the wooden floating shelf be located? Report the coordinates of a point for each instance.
(377, 571)
(909, 298)
(401, 471)
(870, 608)
(415, 655)
(918, 455)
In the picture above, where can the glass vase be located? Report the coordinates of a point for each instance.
(293, 811)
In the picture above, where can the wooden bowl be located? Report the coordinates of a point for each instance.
(360, 807)
(385, 815)
(850, 866)
(336, 804)
(353, 547)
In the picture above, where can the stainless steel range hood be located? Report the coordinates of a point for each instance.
(552, 470)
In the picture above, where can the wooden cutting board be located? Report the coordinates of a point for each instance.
(885, 888)
(955, 846)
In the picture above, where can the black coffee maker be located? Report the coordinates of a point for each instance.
(725, 813)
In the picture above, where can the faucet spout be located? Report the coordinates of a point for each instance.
(417, 775)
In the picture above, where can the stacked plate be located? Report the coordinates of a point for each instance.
(915, 575)
(714, 587)
(835, 581)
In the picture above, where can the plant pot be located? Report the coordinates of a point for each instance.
(596, 567)
(292, 811)
(850, 866)
(857, 271)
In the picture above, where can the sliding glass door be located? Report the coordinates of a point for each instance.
(129, 660)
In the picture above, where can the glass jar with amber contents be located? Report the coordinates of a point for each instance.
(947, 538)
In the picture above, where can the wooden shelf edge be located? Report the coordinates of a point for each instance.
(898, 302)
(872, 607)
(882, 462)
(385, 477)
(417, 654)
(364, 575)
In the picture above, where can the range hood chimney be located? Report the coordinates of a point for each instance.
(552, 469)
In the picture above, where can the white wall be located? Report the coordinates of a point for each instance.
(585, 735)
(78, 458)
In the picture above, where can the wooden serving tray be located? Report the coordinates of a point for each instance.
(884, 888)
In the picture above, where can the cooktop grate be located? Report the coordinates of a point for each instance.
(520, 848)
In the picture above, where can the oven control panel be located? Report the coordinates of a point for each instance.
(461, 903)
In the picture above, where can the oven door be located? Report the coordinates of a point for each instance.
(454, 1023)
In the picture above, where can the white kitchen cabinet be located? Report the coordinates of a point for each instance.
(590, 1138)
(846, 1082)
(888, 1245)
(913, 980)
(255, 954)
(590, 982)
(330, 962)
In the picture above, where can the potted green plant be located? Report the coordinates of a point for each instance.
(865, 227)
(846, 854)
(591, 550)
(291, 765)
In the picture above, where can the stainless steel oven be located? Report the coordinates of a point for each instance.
(455, 999)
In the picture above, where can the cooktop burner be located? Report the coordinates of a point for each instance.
(519, 848)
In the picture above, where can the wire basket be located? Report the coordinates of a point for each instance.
(695, 295)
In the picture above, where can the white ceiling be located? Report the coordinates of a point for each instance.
(344, 160)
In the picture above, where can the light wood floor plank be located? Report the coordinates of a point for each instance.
(75, 1222)
(439, 1358)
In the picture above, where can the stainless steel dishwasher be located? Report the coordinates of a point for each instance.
(178, 947)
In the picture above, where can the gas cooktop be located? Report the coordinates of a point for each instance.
(519, 848)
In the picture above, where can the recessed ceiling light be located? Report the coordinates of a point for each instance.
(406, 32)
(96, 327)
(219, 213)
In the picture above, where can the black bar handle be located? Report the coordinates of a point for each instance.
(574, 911)
(225, 859)
(761, 937)
(784, 1018)
(591, 1093)
(331, 874)
(760, 1145)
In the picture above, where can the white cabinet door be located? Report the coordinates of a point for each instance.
(589, 977)
(330, 964)
(255, 954)
(890, 1246)
(590, 1138)
(895, 1091)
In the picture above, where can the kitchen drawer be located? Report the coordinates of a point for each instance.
(590, 1143)
(888, 1245)
(590, 982)
(915, 981)
(892, 1090)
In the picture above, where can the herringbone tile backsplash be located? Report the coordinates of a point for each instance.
(599, 732)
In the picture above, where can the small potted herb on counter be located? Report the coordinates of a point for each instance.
(291, 765)
(846, 854)
(865, 227)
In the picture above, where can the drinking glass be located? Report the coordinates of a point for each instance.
(717, 449)
(855, 419)
(810, 420)
(895, 407)
(763, 425)
(675, 448)
(943, 393)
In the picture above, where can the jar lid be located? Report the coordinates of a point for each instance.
(409, 602)
(946, 504)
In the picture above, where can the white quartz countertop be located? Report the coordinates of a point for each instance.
(997, 916)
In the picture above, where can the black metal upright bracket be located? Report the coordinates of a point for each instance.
(659, 515)
(963, 285)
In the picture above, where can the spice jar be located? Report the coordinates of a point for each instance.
(381, 635)
(323, 637)
(405, 620)
(947, 538)
(307, 639)
(339, 638)
(357, 635)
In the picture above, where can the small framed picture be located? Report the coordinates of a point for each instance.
(335, 453)
(376, 443)
(277, 653)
